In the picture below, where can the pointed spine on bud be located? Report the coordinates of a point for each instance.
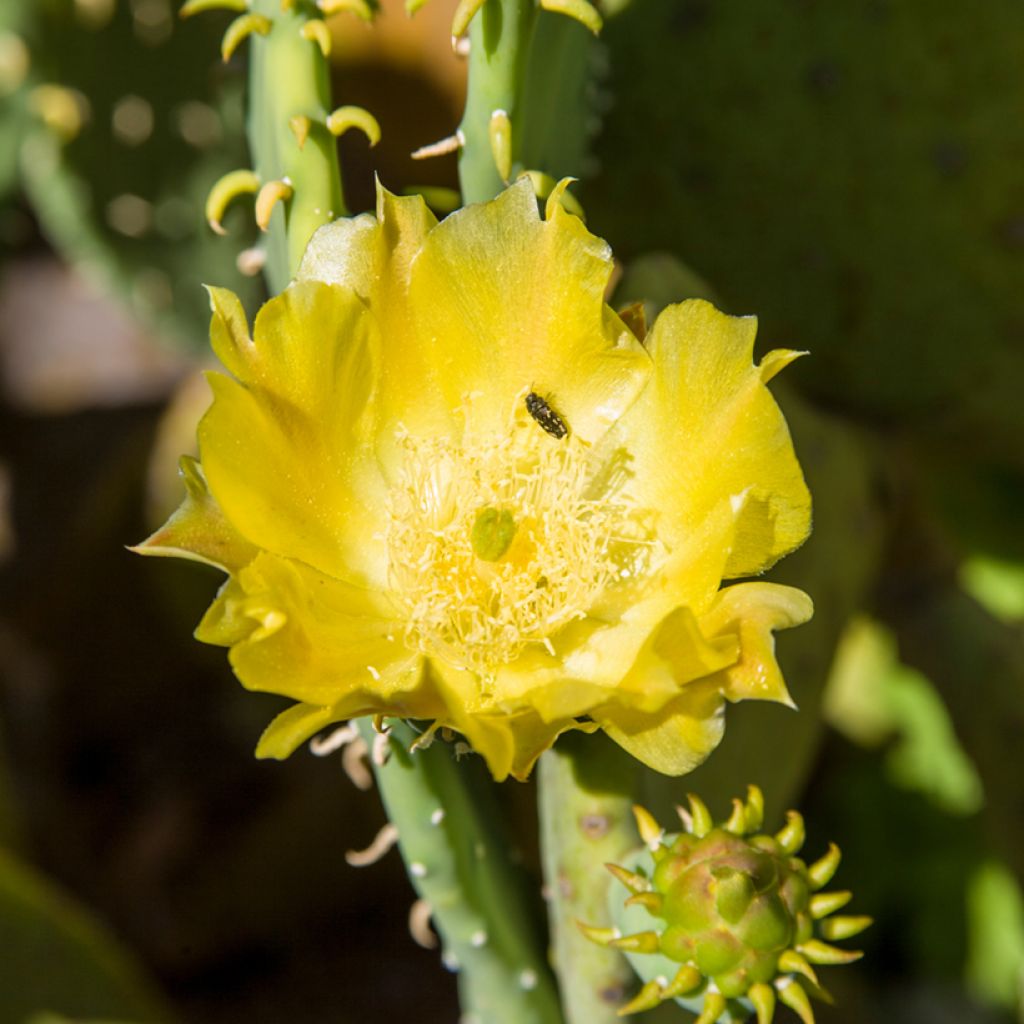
(838, 928)
(687, 979)
(240, 29)
(652, 902)
(272, 193)
(714, 1007)
(640, 942)
(650, 831)
(794, 996)
(754, 811)
(646, 999)
(791, 836)
(227, 189)
(580, 10)
(821, 871)
(737, 821)
(763, 998)
(344, 118)
(316, 31)
(412, 6)
(700, 815)
(602, 936)
(819, 952)
(825, 903)
(791, 962)
(634, 882)
(729, 907)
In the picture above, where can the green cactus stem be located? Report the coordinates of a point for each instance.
(585, 798)
(499, 45)
(457, 863)
(528, 106)
(289, 107)
(726, 919)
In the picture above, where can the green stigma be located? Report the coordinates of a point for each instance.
(492, 533)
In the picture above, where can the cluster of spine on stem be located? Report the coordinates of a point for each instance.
(278, 181)
(294, 141)
(740, 913)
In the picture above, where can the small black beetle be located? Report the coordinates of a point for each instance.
(548, 419)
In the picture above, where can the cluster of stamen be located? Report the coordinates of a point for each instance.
(497, 544)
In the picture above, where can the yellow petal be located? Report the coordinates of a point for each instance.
(689, 579)
(198, 529)
(372, 255)
(509, 740)
(304, 635)
(706, 429)
(676, 739)
(751, 612)
(284, 447)
(290, 729)
(507, 303)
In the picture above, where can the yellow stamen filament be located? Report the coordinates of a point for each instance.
(477, 611)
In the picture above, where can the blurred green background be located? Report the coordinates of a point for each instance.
(852, 171)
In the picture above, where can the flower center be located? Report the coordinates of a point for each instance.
(497, 545)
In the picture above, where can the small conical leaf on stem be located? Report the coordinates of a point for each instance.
(582, 11)
(228, 188)
(463, 16)
(499, 131)
(272, 193)
(240, 29)
(341, 120)
(360, 8)
(316, 31)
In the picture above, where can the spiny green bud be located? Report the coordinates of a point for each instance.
(728, 916)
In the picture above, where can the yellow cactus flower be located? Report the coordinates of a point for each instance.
(449, 484)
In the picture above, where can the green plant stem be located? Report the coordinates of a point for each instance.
(559, 116)
(499, 47)
(288, 77)
(586, 796)
(458, 864)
